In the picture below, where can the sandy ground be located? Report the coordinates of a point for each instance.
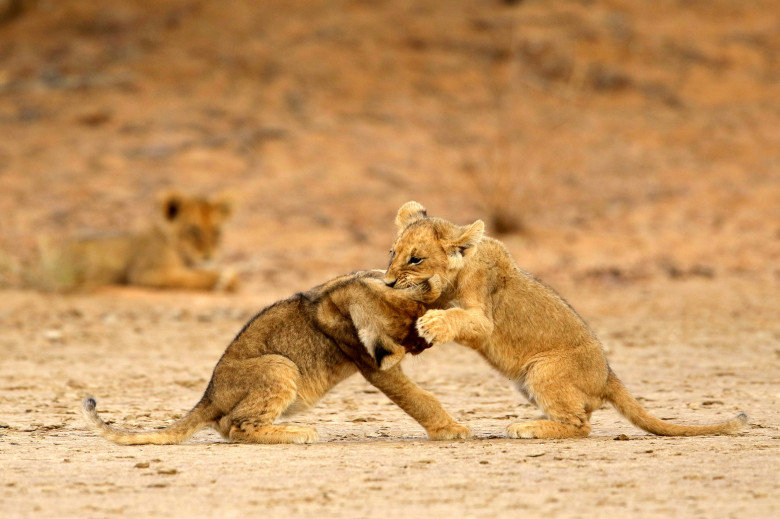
(147, 357)
(625, 151)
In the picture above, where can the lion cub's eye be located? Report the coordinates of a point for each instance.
(415, 261)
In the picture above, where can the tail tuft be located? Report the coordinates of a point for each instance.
(735, 424)
(90, 414)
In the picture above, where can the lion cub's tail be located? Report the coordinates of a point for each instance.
(618, 396)
(181, 430)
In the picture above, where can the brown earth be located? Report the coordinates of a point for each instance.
(628, 152)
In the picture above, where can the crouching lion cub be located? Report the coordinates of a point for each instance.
(523, 328)
(291, 353)
(170, 253)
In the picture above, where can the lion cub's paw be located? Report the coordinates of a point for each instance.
(450, 432)
(520, 430)
(286, 434)
(434, 326)
(302, 434)
(227, 282)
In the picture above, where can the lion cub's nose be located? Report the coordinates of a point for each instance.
(391, 284)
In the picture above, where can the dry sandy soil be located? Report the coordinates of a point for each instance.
(695, 351)
(626, 151)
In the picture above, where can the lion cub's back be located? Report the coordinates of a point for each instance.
(84, 262)
(288, 328)
(105, 259)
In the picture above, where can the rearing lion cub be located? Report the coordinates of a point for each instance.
(293, 352)
(520, 326)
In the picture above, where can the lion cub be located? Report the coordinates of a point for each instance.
(185, 233)
(520, 326)
(293, 352)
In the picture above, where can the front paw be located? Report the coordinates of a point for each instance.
(453, 431)
(435, 327)
(227, 281)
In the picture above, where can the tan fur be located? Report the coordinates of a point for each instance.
(170, 253)
(523, 328)
(293, 352)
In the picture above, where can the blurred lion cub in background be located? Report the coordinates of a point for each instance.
(169, 253)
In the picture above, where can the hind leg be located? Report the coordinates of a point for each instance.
(269, 388)
(560, 425)
(253, 433)
(252, 422)
(567, 410)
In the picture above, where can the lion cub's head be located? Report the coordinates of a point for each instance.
(194, 224)
(426, 247)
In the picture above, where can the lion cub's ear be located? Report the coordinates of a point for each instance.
(465, 243)
(171, 205)
(409, 213)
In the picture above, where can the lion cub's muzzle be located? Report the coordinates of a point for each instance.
(404, 282)
(423, 290)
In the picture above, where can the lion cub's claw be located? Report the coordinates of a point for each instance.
(450, 432)
(434, 327)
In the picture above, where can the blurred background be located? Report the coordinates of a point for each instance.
(626, 151)
(606, 141)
